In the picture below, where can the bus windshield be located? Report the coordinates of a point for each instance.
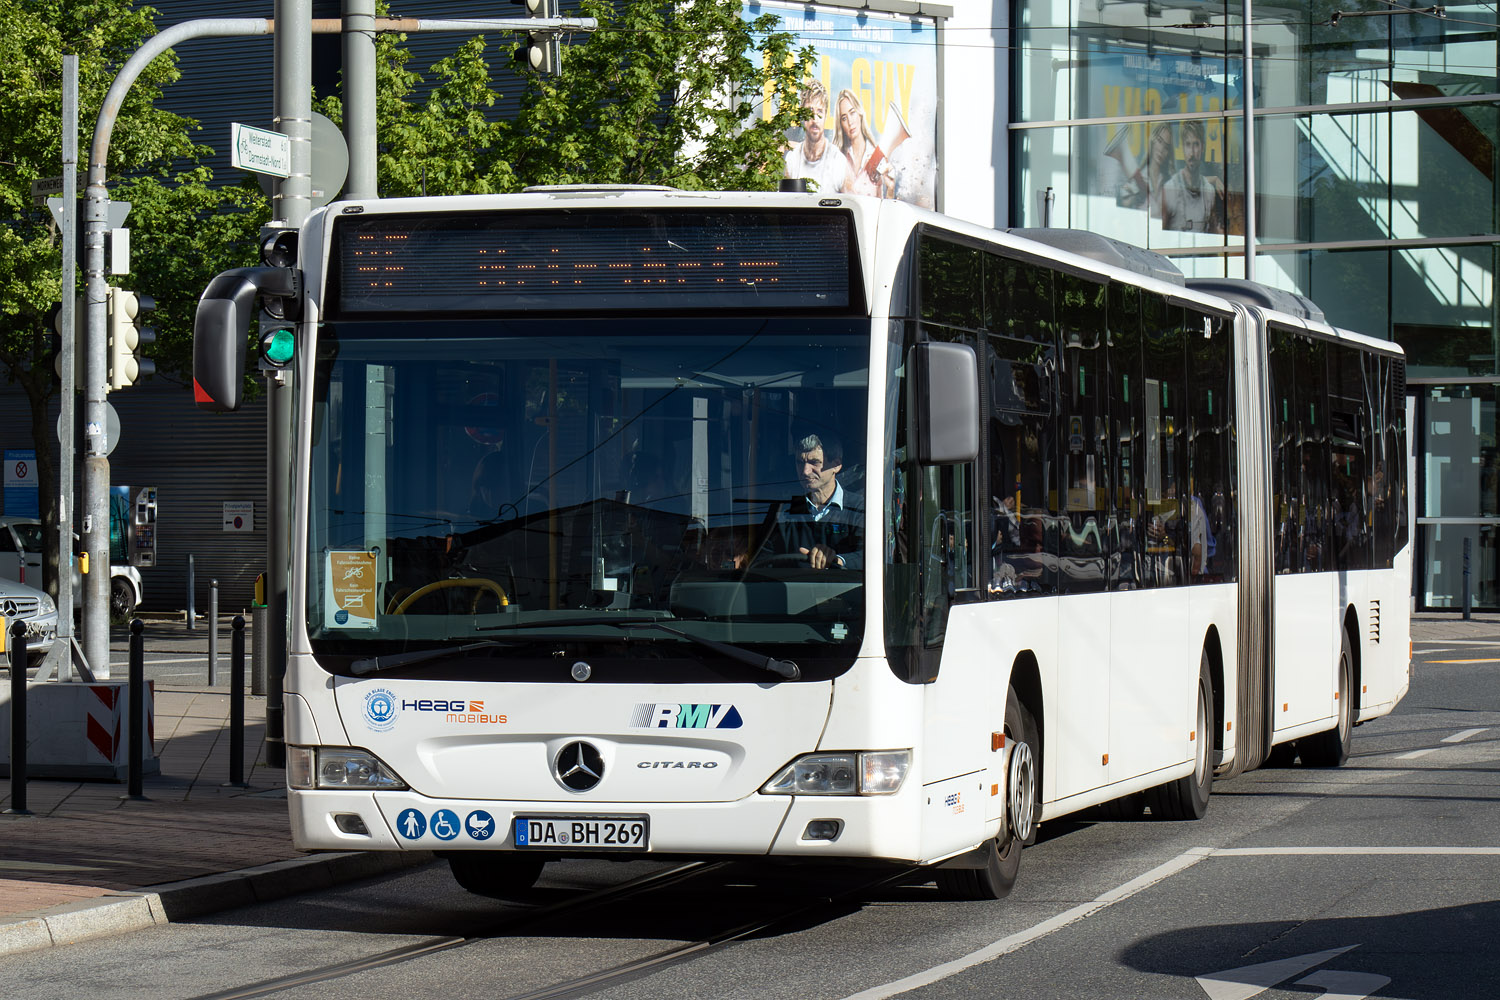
(502, 478)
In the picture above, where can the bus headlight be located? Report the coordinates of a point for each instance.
(864, 773)
(322, 767)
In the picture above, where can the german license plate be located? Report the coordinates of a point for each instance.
(592, 833)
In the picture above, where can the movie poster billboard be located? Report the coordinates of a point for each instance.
(873, 94)
(1185, 175)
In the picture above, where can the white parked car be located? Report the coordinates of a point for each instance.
(37, 610)
(22, 542)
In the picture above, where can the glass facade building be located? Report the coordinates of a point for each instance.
(1374, 192)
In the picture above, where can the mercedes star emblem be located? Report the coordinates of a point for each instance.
(580, 766)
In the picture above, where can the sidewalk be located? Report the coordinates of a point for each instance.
(91, 862)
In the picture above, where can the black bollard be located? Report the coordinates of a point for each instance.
(190, 609)
(237, 701)
(213, 633)
(137, 763)
(18, 719)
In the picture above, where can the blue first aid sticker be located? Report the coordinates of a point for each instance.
(445, 824)
(411, 824)
(480, 825)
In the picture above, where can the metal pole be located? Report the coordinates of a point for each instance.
(359, 98)
(237, 701)
(137, 764)
(1249, 127)
(96, 443)
(1468, 591)
(213, 633)
(191, 587)
(18, 719)
(293, 201)
(66, 348)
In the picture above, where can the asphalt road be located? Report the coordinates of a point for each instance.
(1379, 879)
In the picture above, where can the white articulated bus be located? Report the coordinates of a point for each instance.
(734, 524)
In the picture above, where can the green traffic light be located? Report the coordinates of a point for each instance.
(278, 346)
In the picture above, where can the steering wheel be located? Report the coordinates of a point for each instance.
(782, 560)
(476, 583)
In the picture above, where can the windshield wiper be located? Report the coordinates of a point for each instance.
(781, 668)
(770, 664)
(373, 664)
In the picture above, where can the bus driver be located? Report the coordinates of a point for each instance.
(826, 523)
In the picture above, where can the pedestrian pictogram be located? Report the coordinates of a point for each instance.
(411, 824)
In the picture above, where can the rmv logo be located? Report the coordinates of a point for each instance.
(685, 717)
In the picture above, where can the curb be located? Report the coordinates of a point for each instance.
(120, 912)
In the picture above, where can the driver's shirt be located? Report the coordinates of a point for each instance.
(839, 524)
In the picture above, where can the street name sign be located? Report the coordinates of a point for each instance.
(260, 150)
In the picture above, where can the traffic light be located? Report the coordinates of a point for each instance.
(127, 335)
(542, 52)
(278, 314)
(277, 343)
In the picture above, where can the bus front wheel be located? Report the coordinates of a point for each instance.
(1003, 854)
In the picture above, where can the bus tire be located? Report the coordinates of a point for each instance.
(1331, 748)
(497, 874)
(1187, 797)
(996, 879)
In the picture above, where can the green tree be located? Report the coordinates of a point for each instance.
(659, 94)
(182, 231)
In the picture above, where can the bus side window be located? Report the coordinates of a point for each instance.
(1312, 436)
(1083, 543)
(1165, 428)
(1285, 457)
(1348, 442)
(1212, 449)
(1023, 550)
(1125, 421)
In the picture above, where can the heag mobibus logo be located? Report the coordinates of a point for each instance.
(470, 710)
(656, 716)
(380, 709)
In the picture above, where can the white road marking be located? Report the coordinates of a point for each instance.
(1345, 985)
(1021, 939)
(1249, 980)
(1182, 862)
(1266, 852)
(1454, 642)
(1458, 737)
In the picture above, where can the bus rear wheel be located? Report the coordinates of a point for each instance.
(1003, 854)
(1331, 748)
(497, 874)
(1187, 797)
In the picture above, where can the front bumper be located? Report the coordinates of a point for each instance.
(760, 825)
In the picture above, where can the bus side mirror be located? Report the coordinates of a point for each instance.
(221, 330)
(944, 403)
